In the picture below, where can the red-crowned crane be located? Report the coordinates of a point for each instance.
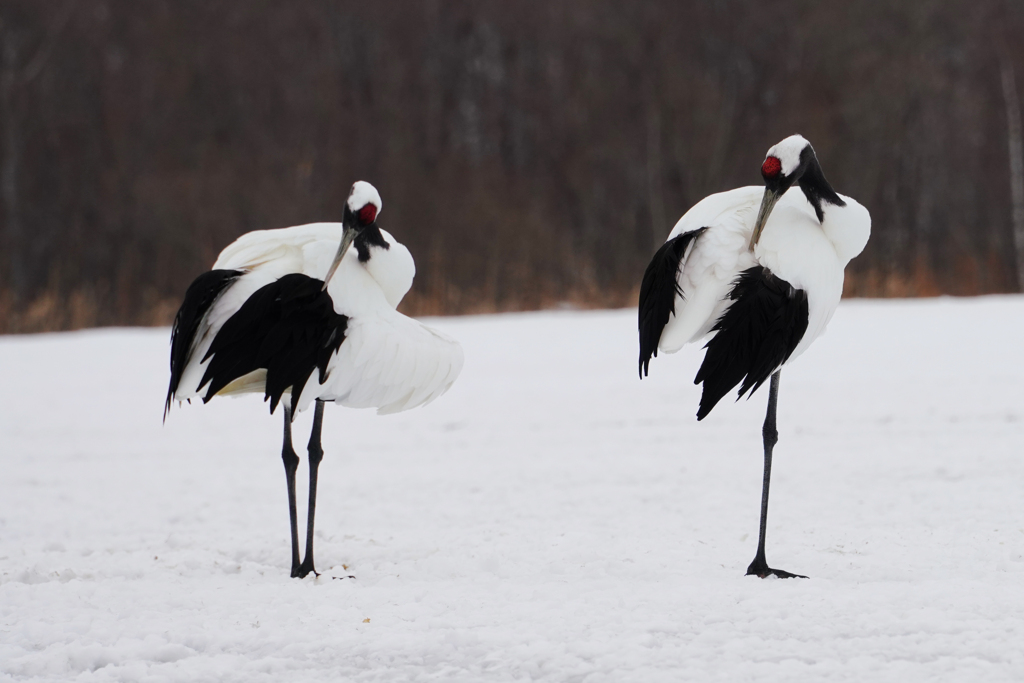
(760, 269)
(297, 316)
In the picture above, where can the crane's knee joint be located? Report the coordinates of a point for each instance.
(771, 435)
(316, 453)
(291, 460)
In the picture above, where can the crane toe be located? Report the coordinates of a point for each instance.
(761, 569)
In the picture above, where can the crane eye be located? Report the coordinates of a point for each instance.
(771, 167)
(367, 214)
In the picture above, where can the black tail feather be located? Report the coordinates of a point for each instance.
(288, 328)
(755, 336)
(658, 292)
(200, 297)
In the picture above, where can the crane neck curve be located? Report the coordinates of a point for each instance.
(816, 187)
(370, 236)
(389, 263)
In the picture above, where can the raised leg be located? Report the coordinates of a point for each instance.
(291, 463)
(759, 567)
(316, 454)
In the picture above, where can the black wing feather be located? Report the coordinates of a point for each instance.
(288, 328)
(658, 292)
(755, 336)
(200, 297)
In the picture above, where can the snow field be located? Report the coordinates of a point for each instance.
(551, 518)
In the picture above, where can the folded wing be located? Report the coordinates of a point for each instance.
(280, 337)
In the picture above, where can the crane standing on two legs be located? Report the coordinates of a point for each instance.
(264, 321)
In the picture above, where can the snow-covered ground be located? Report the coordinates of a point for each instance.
(551, 518)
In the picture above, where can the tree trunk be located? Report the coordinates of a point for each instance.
(655, 199)
(9, 166)
(1016, 145)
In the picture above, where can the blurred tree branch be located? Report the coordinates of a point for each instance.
(1015, 143)
(529, 153)
(13, 77)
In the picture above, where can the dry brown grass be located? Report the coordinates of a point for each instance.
(56, 311)
(53, 311)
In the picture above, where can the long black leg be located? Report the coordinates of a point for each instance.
(759, 567)
(291, 463)
(316, 454)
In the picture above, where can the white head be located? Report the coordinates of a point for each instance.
(793, 161)
(788, 153)
(363, 194)
(360, 220)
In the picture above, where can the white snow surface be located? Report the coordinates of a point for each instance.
(551, 518)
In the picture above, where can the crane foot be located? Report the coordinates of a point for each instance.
(761, 569)
(304, 570)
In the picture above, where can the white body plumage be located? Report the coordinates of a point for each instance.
(794, 246)
(300, 316)
(388, 361)
(760, 270)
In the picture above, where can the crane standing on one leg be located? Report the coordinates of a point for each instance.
(764, 277)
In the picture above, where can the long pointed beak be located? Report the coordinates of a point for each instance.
(348, 235)
(767, 204)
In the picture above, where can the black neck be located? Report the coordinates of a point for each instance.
(815, 186)
(369, 237)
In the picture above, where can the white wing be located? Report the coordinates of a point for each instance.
(710, 268)
(309, 249)
(305, 249)
(390, 362)
(387, 361)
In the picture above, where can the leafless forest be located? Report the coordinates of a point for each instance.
(528, 152)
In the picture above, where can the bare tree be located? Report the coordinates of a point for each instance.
(529, 152)
(16, 72)
(1015, 142)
